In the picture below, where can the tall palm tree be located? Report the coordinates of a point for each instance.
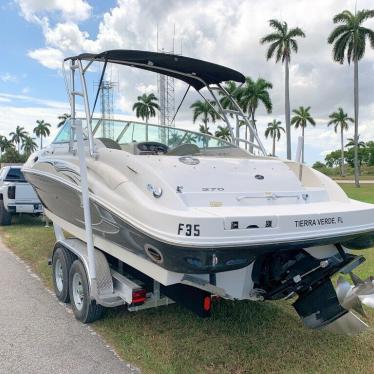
(146, 106)
(349, 42)
(63, 118)
(223, 132)
(226, 103)
(301, 119)
(282, 42)
(206, 111)
(340, 120)
(252, 94)
(18, 136)
(274, 130)
(29, 146)
(41, 130)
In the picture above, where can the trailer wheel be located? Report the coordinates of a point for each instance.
(61, 264)
(84, 309)
(5, 216)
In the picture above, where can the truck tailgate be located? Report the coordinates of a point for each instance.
(25, 194)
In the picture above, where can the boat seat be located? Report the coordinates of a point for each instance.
(110, 143)
(184, 150)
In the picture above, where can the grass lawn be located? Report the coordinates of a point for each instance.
(241, 337)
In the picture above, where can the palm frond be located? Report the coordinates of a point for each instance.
(296, 32)
(345, 16)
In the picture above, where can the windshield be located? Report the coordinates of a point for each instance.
(15, 175)
(125, 132)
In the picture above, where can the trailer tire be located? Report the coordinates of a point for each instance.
(5, 216)
(84, 309)
(61, 264)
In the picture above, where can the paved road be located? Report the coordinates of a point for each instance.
(38, 335)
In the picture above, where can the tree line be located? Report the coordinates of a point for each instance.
(20, 139)
(335, 158)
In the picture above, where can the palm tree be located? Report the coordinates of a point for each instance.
(301, 119)
(252, 94)
(29, 146)
(274, 130)
(41, 131)
(349, 41)
(340, 120)
(204, 130)
(226, 103)
(18, 136)
(174, 139)
(63, 118)
(3, 140)
(205, 110)
(223, 132)
(146, 107)
(282, 43)
(5, 144)
(351, 143)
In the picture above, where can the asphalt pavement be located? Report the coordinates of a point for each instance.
(38, 334)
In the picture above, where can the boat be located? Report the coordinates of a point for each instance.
(196, 204)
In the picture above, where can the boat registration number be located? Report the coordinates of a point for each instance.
(188, 230)
(318, 222)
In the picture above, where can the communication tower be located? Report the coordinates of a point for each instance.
(166, 93)
(106, 106)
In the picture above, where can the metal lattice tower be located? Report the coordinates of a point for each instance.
(166, 94)
(106, 104)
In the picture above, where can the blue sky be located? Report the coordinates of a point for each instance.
(35, 35)
(23, 75)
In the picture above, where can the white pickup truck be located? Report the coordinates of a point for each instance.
(16, 195)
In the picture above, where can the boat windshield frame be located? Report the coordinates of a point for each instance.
(232, 117)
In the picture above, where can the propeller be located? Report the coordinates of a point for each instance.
(352, 298)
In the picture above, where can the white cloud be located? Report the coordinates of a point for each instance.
(146, 88)
(60, 105)
(8, 78)
(48, 57)
(65, 36)
(32, 10)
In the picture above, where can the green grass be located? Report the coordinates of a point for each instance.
(367, 172)
(364, 193)
(241, 337)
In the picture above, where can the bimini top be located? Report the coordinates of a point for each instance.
(196, 73)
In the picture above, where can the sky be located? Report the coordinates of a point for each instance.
(37, 34)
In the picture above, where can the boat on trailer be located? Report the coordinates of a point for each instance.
(198, 215)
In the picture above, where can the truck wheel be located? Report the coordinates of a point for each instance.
(84, 309)
(5, 216)
(61, 264)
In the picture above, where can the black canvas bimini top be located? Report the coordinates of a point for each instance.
(196, 73)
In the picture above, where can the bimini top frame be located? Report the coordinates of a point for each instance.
(195, 73)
